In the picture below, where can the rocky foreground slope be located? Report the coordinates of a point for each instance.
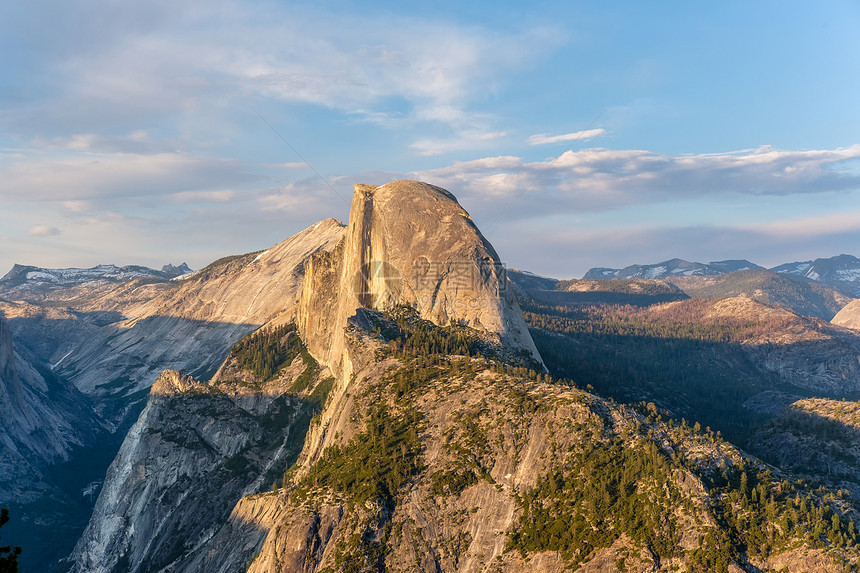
(195, 450)
(428, 459)
(439, 444)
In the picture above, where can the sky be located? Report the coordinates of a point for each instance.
(576, 133)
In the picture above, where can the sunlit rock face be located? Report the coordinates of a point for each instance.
(849, 316)
(409, 243)
(194, 452)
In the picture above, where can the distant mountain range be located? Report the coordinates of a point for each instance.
(31, 276)
(645, 285)
(670, 268)
(841, 272)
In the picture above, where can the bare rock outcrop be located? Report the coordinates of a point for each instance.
(849, 316)
(193, 453)
(409, 243)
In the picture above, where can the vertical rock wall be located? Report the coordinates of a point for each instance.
(409, 243)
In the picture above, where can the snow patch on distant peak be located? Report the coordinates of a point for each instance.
(655, 272)
(848, 275)
(38, 275)
(187, 276)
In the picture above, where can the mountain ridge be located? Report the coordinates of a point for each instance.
(841, 272)
(31, 277)
(669, 268)
(801, 295)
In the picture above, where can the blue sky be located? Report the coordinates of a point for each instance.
(577, 134)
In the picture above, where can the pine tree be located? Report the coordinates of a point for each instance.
(8, 556)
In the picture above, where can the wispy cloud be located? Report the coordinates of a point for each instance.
(77, 176)
(542, 138)
(463, 140)
(828, 224)
(43, 231)
(201, 58)
(137, 142)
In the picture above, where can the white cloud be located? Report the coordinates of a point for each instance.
(43, 231)
(293, 166)
(600, 179)
(542, 138)
(463, 140)
(139, 142)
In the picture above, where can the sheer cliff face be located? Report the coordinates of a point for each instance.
(409, 243)
(6, 353)
(42, 421)
(193, 453)
(39, 414)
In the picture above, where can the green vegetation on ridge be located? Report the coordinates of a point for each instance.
(267, 350)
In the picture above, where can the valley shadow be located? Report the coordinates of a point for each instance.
(712, 383)
(699, 382)
(697, 368)
(99, 317)
(811, 443)
(49, 526)
(126, 361)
